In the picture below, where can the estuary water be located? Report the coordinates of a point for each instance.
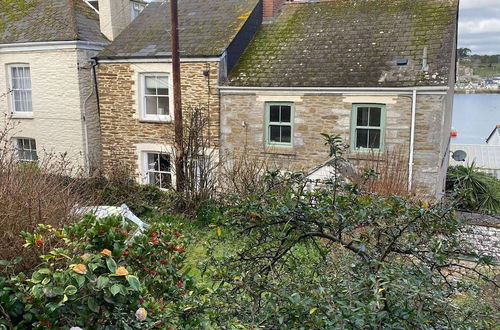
(474, 117)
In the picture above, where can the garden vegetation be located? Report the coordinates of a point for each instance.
(282, 253)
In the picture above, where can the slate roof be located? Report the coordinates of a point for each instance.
(352, 43)
(206, 28)
(49, 20)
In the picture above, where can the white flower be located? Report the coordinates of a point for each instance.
(75, 328)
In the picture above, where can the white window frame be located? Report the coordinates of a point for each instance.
(31, 150)
(146, 170)
(15, 113)
(142, 102)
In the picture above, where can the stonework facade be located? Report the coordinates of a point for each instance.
(243, 129)
(64, 118)
(126, 136)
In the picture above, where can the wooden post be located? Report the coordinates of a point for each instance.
(176, 75)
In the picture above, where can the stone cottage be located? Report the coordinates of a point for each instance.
(47, 83)
(380, 73)
(134, 79)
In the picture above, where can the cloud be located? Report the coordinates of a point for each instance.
(479, 26)
(467, 4)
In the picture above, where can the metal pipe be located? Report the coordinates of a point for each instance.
(412, 139)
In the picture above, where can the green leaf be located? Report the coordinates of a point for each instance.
(70, 290)
(4, 262)
(115, 289)
(102, 282)
(93, 305)
(80, 279)
(134, 282)
(111, 265)
(45, 271)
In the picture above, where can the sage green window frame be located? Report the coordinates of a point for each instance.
(268, 123)
(355, 127)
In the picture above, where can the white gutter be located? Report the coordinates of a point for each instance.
(412, 139)
(339, 89)
(158, 60)
(50, 45)
(434, 90)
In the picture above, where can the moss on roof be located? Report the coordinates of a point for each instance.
(48, 20)
(206, 28)
(352, 43)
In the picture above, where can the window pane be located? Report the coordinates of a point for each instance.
(163, 108)
(274, 113)
(375, 114)
(152, 161)
(154, 178)
(151, 83)
(361, 138)
(374, 138)
(162, 91)
(28, 101)
(286, 134)
(151, 105)
(162, 83)
(274, 133)
(286, 111)
(20, 144)
(164, 163)
(362, 117)
(166, 180)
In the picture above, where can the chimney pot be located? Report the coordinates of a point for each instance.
(271, 7)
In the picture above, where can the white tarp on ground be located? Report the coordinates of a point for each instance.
(123, 211)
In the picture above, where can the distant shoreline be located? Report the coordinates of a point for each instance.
(476, 91)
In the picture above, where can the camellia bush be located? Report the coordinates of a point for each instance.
(99, 275)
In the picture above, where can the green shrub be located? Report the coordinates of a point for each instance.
(339, 257)
(101, 276)
(141, 199)
(478, 191)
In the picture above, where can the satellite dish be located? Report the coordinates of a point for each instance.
(459, 155)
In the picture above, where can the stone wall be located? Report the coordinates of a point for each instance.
(242, 129)
(124, 134)
(483, 235)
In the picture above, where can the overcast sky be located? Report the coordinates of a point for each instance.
(479, 26)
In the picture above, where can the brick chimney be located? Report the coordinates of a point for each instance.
(271, 6)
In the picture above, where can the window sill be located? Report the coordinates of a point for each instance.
(366, 155)
(279, 150)
(155, 121)
(17, 115)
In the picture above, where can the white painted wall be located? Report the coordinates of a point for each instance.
(57, 123)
